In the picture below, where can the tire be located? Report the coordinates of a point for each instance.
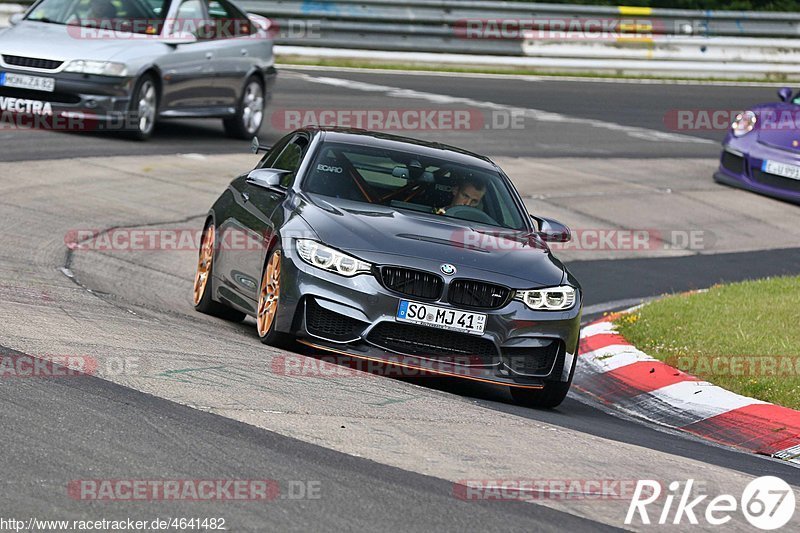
(204, 280)
(551, 396)
(249, 111)
(269, 293)
(143, 109)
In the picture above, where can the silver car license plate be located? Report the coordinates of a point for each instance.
(23, 81)
(781, 169)
(441, 317)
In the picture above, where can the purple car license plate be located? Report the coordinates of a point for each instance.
(781, 169)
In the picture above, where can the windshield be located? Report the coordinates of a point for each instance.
(137, 16)
(409, 181)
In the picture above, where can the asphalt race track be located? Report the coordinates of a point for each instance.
(179, 395)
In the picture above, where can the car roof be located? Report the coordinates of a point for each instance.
(400, 143)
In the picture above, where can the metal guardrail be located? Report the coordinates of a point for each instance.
(725, 41)
(439, 26)
(448, 13)
(673, 41)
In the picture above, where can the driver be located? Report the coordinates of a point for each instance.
(101, 10)
(469, 191)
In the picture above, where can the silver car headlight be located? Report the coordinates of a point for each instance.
(326, 258)
(103, 68)
(743, 123)
(549, 299)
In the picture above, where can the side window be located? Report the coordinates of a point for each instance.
(158, 6)
(191, 19)
(190, 9)
(290, 158)
(269, 158)
(227, 20)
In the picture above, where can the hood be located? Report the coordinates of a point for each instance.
(370, 230)
(58, 42)
(779, 125)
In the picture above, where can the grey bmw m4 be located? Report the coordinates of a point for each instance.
(125, 64)
(398, 251)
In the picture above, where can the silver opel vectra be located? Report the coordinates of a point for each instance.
(125, 64)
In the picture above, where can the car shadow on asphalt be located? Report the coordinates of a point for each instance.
(580, 413)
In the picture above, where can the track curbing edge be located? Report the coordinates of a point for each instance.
(615, 373)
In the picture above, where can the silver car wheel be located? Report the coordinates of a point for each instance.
(146, 110)
(252, 107)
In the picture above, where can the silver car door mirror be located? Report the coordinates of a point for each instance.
(183, 37)
(268, 178)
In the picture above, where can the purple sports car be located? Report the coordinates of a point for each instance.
(761, 152)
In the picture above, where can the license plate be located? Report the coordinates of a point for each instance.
(441, 317)
(781, 169)
(23, 81)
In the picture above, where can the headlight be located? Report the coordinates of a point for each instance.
(326, 258)
(104, 68)
(550, 299)
(744, 123)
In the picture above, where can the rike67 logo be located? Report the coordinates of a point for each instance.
(767, 502)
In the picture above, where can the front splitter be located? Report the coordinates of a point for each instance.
(436, 368)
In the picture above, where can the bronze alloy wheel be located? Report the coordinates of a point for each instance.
(204, 263)
(269, 294)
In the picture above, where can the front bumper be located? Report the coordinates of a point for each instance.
(356, 317)
(78, 102)
(741, 166)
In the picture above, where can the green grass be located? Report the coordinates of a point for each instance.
(744, 337)
(509, 71)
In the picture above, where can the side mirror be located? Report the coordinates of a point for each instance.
(16, 18)
(256, 146)
(552, 230)
(785, 94)
(176, 39)
(267, 178)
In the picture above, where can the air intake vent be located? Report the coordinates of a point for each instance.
(732, 162)
(31, 62)
(433, 343)
(535, 361)
(330, 325)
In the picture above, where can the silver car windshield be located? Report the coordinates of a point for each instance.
(409, 181)
(137, 16)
